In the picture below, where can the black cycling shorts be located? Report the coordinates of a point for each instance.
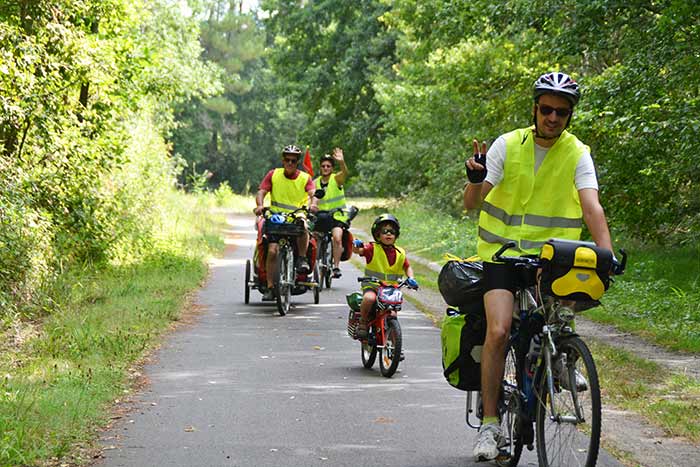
(499, 276)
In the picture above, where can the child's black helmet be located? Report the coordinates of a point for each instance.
(382, 219)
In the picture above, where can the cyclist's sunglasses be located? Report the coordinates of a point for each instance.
(561, 111)
(389, 232)
(291, 160)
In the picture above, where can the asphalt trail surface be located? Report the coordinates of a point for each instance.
(243, 386)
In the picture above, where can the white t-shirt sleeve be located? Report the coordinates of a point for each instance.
(585, 173)
(495, 161)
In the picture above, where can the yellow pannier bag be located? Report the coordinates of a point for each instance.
(575, 270)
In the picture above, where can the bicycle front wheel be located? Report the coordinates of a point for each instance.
(285, 280)
(568, 423)
(391, 353)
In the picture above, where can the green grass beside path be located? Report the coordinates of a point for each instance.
(59, 378)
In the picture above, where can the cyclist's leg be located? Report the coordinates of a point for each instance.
(337, 233)
(369, 297)
(271, 262)
(303, 243)
(499, 315)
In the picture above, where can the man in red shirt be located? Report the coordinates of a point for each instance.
(289, 189)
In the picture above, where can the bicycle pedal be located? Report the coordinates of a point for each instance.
(502, 456)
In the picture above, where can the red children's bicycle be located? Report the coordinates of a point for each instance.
(384, 331)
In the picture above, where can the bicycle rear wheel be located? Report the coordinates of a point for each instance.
(570, 437)
(369, 354)
(328, 262)
(510, 408)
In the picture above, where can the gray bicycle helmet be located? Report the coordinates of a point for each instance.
(291, 149)
(557, 83)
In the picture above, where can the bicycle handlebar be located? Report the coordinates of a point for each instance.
(266, 209)
(402, 283)
(618, 267)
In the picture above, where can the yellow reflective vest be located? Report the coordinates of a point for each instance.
(379, 267)
(288, 195)
(334, 198)
(530, 208)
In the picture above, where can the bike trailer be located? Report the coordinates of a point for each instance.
(575, 270)
(460, 281)
(462, 338)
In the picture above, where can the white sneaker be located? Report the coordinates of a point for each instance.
(486, 447)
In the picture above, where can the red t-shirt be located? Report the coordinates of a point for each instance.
(389, 250)
(266, 183)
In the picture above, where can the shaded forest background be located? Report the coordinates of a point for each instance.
(106, 106)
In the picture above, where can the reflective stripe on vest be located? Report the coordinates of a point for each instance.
(334, 198)
(379, 267)
(287, 195)
(530, 208)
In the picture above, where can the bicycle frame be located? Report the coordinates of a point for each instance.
(378, 323)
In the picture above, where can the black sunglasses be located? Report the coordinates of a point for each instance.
(561, 111)
(291, 160)
(389, 232)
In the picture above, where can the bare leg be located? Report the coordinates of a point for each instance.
(271, 264)
(499, 315)
(368, 300)
(303, 244)
(337, 245)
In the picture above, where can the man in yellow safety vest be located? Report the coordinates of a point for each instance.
(332, 184)
(290, 189)
(533, 184)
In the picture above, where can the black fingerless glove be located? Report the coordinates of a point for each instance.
(477, 176)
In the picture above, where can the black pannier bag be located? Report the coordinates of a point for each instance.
(575, 270)
(324, 222)
(460, 283)
(462, 337)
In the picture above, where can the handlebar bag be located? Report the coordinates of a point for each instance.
(462, 338)
(460, 283)
(292, 229)
(575, 270)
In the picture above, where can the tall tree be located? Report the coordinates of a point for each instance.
(329, 52)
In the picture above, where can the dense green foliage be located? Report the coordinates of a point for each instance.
(235, 135)
(466, 70)
(405, 85)
(87, 91)
(329, 53)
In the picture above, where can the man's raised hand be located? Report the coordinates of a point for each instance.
(476, 165)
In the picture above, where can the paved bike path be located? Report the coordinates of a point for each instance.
(243, 386)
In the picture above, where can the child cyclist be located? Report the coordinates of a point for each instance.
(385, 262)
